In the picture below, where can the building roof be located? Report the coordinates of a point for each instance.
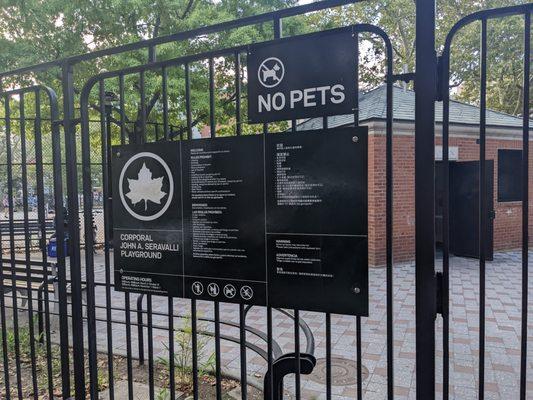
(372, 106)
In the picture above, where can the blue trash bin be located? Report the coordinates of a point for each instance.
(52, 247)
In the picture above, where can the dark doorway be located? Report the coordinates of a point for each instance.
(464, 206)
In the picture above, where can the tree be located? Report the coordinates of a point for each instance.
(397, 18)
(34, 31)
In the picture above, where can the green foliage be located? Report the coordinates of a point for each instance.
(397, 18)
(163, 394)
(41, 358)
(35, 31)
(183, 356)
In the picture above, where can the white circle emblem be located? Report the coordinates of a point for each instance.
(170, 180)
(271, 72)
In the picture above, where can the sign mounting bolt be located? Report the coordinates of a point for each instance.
(118, 154)
(356, 290)
(355, 139)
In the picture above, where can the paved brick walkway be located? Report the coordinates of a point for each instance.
(503, 299)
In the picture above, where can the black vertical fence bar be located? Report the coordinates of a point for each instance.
(89, 243)
(242, 344)
(74, 230)
(238, 94)
(142, 136)
(105, 140)
(128, 345)
(188, 101)
(194, 320)
(212, 124)
(525, 206)
(194, 343)
(328, 356)
(171, 360)
(358, 337)
(212, 121)
(278, 32)
(389, 178)
(164, 85)
(60, 227)
(12, 246)
(270, 357)
(122, 107)
(356, 80)
(482, 205)
(425, 95)
(297, 351)
(445, 189)
(242, 313)
(218, 374)
(27, 252)
(358, 340)
(41, 217)
(150, 346)
(171, 366)
(3, 319)
(140, 328)
(127, 306)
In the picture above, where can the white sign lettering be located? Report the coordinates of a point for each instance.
(308, 97)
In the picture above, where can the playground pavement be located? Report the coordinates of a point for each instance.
(503, 322)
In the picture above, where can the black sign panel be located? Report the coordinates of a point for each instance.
(317, 220)
(319, 273)
(147, 218)
(277, 219)
(306, 76)
(319, 182)
(224, 219)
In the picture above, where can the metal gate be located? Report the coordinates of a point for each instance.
(484, 18)
(76, 333)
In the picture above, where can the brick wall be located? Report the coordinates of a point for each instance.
(507, 224)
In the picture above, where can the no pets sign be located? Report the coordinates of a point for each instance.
(307, 76)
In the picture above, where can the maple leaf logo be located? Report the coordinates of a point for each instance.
(145, 188)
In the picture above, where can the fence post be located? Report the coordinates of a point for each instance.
(426, 90)
(74, 229)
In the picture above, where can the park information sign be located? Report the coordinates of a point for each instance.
(277, 219)
(147, 212)
(304, 76)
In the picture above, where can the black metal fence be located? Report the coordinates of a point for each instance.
(61, 168)
(483, 19)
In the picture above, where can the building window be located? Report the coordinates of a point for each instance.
(509, 175)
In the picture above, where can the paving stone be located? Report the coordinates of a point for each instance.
(140, 391)
(503, 324)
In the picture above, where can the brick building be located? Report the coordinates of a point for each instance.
(504, 141)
